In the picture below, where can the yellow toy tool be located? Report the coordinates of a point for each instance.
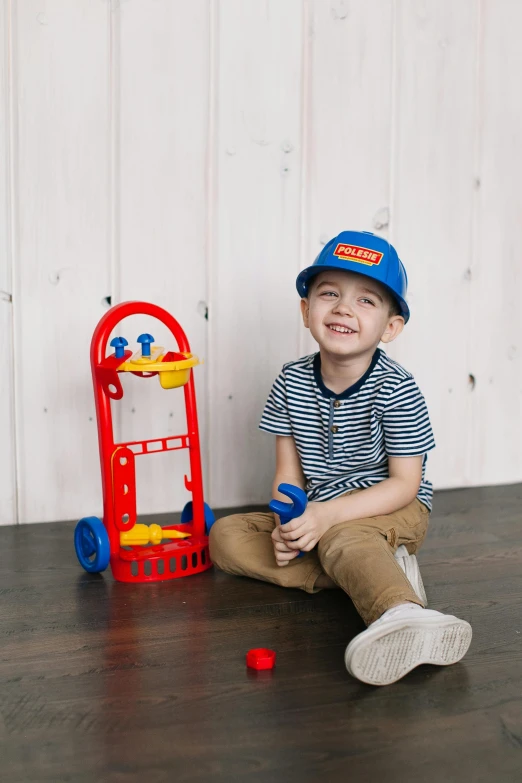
(140, 535)
(173, 368)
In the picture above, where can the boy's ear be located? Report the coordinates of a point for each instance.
(393, 329)
(305, 307)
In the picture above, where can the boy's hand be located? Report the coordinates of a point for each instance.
(283, 553)
(303, 533)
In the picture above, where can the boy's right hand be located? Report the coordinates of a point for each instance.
(283, 554)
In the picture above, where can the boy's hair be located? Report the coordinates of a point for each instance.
(393, 306)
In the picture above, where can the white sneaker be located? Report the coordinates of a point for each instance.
(403, 638)
(409, 565)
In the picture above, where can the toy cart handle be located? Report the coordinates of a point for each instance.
(116, 314)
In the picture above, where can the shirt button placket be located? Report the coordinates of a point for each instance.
(331, 428)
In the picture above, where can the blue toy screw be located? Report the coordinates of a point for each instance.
(119, 343)
(145, 340)
(288, 511)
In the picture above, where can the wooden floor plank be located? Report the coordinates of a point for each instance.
(102, 681)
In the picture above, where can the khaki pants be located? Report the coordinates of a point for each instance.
(357, 556)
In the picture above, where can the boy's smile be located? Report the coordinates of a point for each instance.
(340, 329)
(349, 314)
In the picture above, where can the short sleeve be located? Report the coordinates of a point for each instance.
(275, 416)
(406, 422)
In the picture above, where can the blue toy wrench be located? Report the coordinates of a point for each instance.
(288, 511)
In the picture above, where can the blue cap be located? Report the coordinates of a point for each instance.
(365, 254)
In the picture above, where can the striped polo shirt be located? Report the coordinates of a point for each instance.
(344, 440)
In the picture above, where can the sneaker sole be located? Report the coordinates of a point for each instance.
(399, 647)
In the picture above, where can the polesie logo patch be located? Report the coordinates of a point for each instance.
(361, 255)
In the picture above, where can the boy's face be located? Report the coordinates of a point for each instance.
(349, 314)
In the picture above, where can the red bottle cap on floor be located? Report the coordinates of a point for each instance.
(260, 658)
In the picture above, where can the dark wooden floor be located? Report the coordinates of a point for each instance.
(101, 681)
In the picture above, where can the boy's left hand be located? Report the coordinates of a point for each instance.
(305, 531)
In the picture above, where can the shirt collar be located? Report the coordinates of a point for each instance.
(351, 389)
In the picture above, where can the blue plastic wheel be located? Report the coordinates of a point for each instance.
(91, 542)
(186, 516)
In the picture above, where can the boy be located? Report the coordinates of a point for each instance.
(352, 428)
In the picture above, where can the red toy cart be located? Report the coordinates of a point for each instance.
(137, 552)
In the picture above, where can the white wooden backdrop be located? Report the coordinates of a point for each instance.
(197, 154)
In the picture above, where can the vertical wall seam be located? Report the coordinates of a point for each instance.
(210, 232)
(113, 164)
(473, 232)
(13, 250)
(304, 210)
(393, 124)
(114, 152)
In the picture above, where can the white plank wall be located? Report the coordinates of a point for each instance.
(432, 205)
(256, 242)
(161, 112)
(495, 326)
(62, 271)
(198, 154)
